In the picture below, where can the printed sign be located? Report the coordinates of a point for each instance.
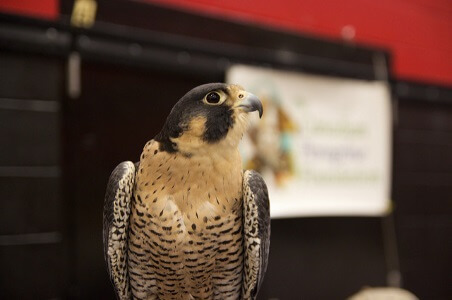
(323, 144)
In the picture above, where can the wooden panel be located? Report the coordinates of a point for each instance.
(324, 258)
(30, 205)
(425, 247)
(33, 250)
(423, 137)
(33, 272)
(422, 190)
(424, 116)
(416, 198)
(29, 77)
(30, 138)
(423, 157)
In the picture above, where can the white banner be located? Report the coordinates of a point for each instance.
(323, 144)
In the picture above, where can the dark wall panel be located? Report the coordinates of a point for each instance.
(25, 77)
(30, 137)
(33, 241)
(422, 192)
(30, 205)
(324, 258)
(423, 115)
(33, 271)
(426, 199)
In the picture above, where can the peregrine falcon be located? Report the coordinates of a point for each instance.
(186, 222)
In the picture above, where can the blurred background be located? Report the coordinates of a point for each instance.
(84, 84)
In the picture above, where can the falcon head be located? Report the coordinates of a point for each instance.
(210, 115)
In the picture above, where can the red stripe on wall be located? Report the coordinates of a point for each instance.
(46, 9)
(417, 32)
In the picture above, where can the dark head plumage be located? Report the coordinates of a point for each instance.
(208, 113)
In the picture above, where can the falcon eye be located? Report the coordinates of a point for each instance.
(213, 98)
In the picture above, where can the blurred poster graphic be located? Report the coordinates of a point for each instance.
(323, 144)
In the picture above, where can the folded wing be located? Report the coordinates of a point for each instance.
(256, 219)
(117, 205)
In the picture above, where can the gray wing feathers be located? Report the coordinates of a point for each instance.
(256, 219)
(117, 205)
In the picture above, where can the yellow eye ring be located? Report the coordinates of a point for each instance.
(214, 98)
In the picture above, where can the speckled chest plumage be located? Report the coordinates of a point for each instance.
(185, 237)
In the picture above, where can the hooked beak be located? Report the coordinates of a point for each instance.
(252, 103)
